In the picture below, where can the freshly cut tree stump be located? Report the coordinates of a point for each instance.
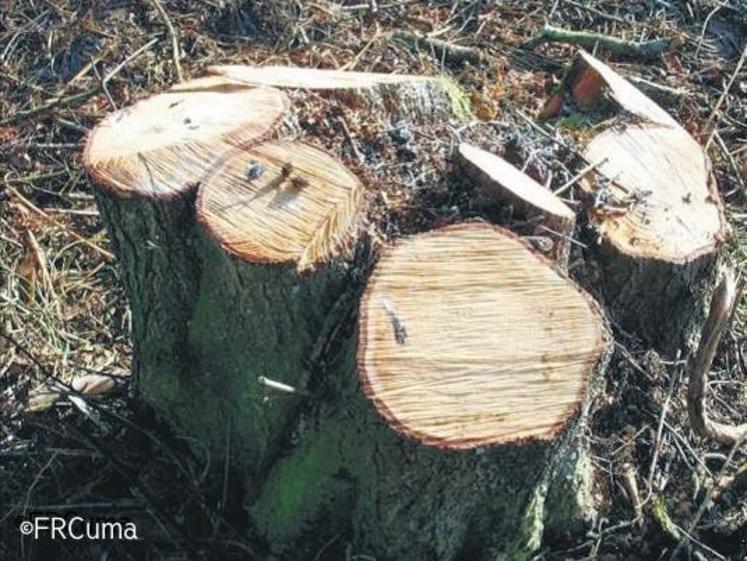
(282, 202)
(502, 183)
(656, 208)
(479, 356)
(162, 146)
(240, 254)
(234, 291)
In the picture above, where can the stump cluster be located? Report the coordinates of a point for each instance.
(427, 397)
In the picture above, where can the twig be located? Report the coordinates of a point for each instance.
(657, 90)
(631, 489)
(50, 104)
(444, 50)
(36, 210)
(710, 125)
(713, 493)
(361, 159)
(279, 386)
(176, 53)
(594, 11)
(621, 47)
(351, 64)
(578, 176)
(738, 175)
(673, 382)
(722, 304)
(122, 64)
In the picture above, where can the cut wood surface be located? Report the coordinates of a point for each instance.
(164, 144)
(591, 79)
(469, 338)
(676, 215)
(281, 202)
(501, 182)
(657, 172)
(308, 78)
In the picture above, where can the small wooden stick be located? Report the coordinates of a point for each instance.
(456, 54)
(621, 47)
(174, 38)
(722, 304)
(32, 207)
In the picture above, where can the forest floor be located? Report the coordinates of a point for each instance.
(64, 64)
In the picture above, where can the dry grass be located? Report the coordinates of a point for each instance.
(65, 64)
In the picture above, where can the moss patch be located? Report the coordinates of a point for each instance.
(304, 487)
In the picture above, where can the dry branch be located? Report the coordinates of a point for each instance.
(589, 40)
(722, 304)
(442, 50)
(175, 50)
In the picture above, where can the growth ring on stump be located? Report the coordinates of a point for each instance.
(469, 338)
(164, 144)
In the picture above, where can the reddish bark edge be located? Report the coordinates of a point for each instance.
(471, 443)
(106, 183)
(255, 256)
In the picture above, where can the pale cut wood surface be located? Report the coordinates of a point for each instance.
(663, 202)
(309, 78)
(604, 80)
(678, 217)
(166, 143)
(469, 338)
(282, 202)
(497, 174)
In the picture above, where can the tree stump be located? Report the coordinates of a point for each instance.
(502, 184)
(478, 355)
(450, 423)
(656, 209)
(232, 290)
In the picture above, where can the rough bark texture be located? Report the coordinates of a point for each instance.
(206, 326)
(351, 473)
(664, 303)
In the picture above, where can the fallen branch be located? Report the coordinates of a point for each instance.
(176, 52)
(658, 91)
(588, 39)
(443, 50)
(722, 304)
(36, 210)
(58, 101)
